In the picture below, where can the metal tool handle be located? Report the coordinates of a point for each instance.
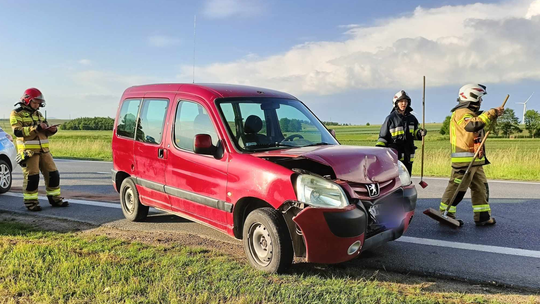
(423, 127)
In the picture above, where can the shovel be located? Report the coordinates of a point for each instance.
(422, 183)
(443, 218)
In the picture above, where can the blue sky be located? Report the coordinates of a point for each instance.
(344, 59)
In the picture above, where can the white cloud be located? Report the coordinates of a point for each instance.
(228, 8)
(85, 62)
(162, 41)
(487, 43)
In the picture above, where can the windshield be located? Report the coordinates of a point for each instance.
(259, 124)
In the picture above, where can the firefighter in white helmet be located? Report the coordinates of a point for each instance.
(467, 127)
(400, 130)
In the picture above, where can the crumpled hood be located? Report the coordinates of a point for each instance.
(350, 163)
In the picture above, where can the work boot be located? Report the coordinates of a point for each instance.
(57, 202)
(34, 208)
(489, 222)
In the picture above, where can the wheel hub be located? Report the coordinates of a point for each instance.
(260, 244)
(5, 176)
(129, 200)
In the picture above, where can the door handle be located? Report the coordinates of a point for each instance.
(162, 153)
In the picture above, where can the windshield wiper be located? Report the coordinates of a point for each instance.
(319, 144)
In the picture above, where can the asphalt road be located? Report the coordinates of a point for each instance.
(506, 254)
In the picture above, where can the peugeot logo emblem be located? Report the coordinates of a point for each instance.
(373, 190)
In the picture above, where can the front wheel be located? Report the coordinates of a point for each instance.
(266, 241)
(129, 199)
(5, 176)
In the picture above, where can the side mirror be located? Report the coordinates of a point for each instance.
(333, 132)
(202, 144)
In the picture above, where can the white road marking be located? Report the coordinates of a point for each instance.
(103, 172)
(403, 239)
(74, 201)
(474, 247)
(490, 180)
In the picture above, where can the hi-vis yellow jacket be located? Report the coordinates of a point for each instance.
(465, 125)
(24, 122)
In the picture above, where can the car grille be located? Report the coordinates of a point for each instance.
(362, 192)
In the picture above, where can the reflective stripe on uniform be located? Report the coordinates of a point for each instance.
(13, 119)
(453, 138)
(465, 118)
(30, 196)
(443, 207)
(467, 159)
(380, 144)
(457, 180)
(26, 131)
(32, 144)
(464, 157)
(53, 192)
(25, 147)
(397, 131)
(481, 208)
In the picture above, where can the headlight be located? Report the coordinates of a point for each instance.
(318, 192)
(404, 174)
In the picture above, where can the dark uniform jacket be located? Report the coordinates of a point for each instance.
(399, 132)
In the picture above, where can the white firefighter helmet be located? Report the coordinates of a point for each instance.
(400, 96)
(471, 93)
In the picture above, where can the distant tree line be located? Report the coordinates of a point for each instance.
(333, 123)
(89, 123)
(290, 125)
(508, 124)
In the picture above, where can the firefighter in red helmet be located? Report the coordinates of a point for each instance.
(33, 132)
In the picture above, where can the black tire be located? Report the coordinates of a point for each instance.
(266, 239)
(129, 199)
(5, 176)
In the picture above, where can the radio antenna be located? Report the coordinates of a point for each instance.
(194, 32)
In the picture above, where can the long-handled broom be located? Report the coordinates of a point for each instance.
(422, 183)
(443, 218)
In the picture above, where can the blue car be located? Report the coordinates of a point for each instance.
(7, 160)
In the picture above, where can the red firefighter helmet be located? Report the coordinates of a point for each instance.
(33, 94)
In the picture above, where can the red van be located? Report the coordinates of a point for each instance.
(258, 165)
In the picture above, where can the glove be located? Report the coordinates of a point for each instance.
(22, 157)
(422, 132)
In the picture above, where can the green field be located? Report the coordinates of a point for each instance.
(52, 267)
(517, 159)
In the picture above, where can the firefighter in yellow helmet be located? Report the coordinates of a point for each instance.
(467, 127)
(32, 132)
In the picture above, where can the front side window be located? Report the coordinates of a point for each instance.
(151, 121)
(128, 118)
(192, 119)
(266, 123)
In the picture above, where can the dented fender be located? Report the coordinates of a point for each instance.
(328, 233)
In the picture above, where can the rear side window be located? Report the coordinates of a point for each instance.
(151, 121)
(128, 117)
(192, 119)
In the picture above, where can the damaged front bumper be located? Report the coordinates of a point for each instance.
(338, 235)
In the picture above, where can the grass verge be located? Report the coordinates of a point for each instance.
(53, 267)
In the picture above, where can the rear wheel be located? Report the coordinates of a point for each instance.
(5, 176)
(129, 199)
(266, 241)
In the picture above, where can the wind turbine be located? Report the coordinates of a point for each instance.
(524, 107)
